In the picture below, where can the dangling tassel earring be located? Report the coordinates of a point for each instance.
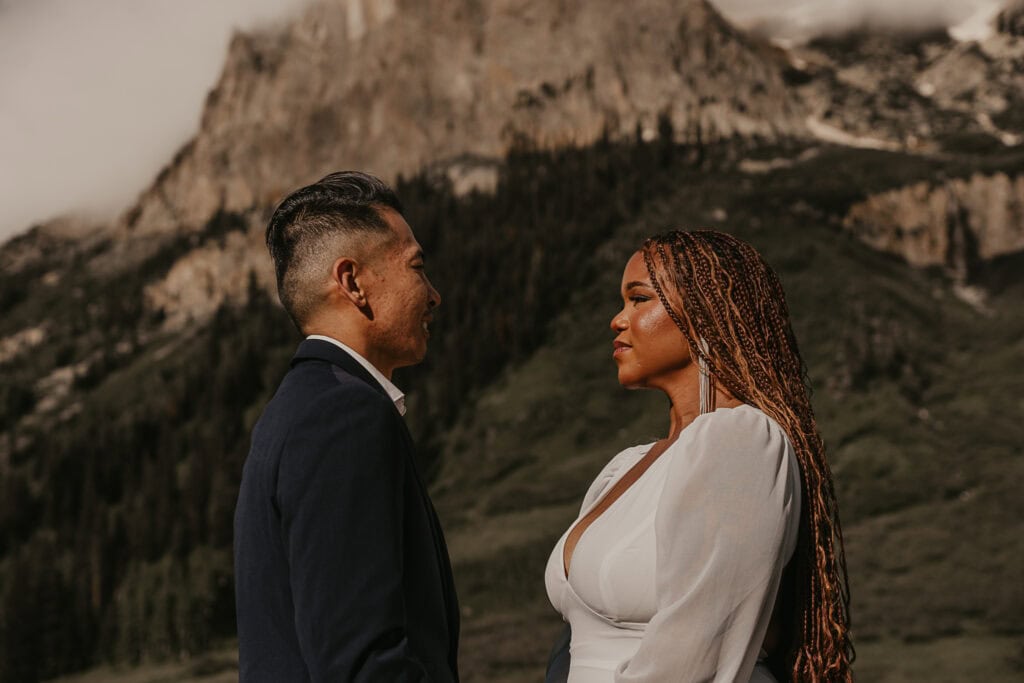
(707, 382)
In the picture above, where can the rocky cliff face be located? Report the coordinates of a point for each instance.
(955, 225)
(394, 86)
(1011, 20)
(391, 86)
(206, 277)
(936, 98)
(923, 93)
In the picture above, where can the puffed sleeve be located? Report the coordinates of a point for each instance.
(725, 526)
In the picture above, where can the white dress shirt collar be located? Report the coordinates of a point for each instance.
(394, 392)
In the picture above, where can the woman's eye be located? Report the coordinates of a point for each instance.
(639, 299)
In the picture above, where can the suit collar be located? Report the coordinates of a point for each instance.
(318, 349)
(394, 393)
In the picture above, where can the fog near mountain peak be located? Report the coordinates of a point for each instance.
(95, 97)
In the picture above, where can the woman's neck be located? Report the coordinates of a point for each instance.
(685, 405)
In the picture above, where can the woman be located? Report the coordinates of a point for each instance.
(714, 554)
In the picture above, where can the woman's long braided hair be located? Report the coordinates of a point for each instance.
(731, 309)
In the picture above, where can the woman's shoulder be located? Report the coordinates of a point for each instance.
(733, 445)
(735, 460)
(744, 425)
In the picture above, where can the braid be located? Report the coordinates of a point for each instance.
(718, 289)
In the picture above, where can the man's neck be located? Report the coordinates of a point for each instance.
(357, 343)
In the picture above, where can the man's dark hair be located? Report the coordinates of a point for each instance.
(315, 224)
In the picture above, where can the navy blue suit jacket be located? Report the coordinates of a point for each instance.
(341, 569)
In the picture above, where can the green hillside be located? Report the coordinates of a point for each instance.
(918, 395)
(116, 503)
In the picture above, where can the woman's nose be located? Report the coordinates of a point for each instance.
(618, 322)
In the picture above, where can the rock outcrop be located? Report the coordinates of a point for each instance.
(1011, 20)
(955, 225)
(206, 277)
(924, 92)
(391, 86)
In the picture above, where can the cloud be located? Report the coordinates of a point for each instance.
(96, 95)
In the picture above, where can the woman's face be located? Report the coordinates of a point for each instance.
(648, 347)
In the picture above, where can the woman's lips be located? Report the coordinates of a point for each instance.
(620, 348)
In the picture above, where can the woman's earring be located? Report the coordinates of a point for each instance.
(707, 382)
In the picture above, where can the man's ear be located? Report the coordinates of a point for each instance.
(345, 274)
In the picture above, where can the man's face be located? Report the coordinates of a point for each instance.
(400, 297)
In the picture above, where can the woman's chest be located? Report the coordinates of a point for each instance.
(613, 565)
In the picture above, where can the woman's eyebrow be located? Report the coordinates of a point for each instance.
(637, 283)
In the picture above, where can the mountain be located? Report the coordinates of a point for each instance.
(536, 144)
(394, 86)
(1011, 20)
(939, 98)
(923, 92)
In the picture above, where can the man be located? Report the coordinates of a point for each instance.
(341, 569)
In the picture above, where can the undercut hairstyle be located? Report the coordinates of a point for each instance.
(338, 215)
(730, 307)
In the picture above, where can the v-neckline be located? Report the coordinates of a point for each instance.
(566, 566)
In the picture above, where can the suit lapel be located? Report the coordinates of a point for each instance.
(317, 349)
(441, 548)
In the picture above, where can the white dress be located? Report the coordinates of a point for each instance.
(677, 579)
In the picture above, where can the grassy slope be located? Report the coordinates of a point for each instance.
(915, 396)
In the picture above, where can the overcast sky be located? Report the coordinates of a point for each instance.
(96, 95)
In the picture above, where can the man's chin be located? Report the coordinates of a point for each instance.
(413, 358)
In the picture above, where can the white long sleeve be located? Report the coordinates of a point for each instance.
(725, 527)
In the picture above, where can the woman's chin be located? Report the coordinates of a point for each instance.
(629, 380)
